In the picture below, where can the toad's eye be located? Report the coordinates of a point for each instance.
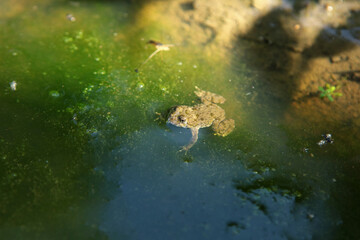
(181, 119)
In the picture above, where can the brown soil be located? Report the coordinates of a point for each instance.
(297, 48)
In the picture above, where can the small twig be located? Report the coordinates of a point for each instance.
(159, 47)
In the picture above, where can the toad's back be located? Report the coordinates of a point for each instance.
(206, 115)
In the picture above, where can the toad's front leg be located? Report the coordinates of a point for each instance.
(194, 138)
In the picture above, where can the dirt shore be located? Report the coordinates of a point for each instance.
(298, 48)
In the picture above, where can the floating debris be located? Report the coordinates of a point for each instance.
(159, 47)
(297, 26)
(329, 8)
(321, 143)
(74, 118)
(70, 17)
(310, 216)
(13, 85)
(54, 93)
(307, 151)
(327, 139)
(140, 86)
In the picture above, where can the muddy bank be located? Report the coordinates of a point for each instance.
(296, 47)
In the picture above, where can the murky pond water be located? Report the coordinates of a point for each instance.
(86, 155)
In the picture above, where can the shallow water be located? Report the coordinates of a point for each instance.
(84, 154)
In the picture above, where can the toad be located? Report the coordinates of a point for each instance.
(206, 114)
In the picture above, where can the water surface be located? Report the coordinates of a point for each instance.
(84, 154)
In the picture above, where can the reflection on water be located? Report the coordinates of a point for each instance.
(84, 154)
(199, 199)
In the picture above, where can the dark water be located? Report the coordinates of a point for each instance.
(84, 154)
